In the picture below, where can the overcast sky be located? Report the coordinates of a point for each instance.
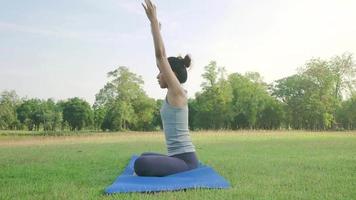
(64, 49)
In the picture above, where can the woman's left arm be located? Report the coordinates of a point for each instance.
(160, 52)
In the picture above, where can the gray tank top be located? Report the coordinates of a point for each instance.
(176, 130)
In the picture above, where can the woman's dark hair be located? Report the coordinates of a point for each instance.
(179, 66)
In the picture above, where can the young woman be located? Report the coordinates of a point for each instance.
(174, 112)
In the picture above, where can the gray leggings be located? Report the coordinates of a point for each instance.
(156, 164)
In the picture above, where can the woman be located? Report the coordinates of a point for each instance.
(174, 112)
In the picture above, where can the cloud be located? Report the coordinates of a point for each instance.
(275, 38)
(91, 35)
(133, 7)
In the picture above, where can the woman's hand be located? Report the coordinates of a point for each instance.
(151, 13)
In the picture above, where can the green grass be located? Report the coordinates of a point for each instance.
(45, 133)
(258, 164)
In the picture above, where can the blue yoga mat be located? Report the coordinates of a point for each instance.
(201, 177)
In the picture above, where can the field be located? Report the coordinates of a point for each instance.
(258, 164)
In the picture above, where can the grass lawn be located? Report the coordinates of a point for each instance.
(258, 164)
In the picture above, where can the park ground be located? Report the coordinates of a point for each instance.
(258, 164)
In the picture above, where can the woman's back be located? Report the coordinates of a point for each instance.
(176, 128)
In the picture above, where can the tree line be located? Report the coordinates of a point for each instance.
(321, 96)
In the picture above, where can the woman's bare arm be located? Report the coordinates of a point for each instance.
(161, 57)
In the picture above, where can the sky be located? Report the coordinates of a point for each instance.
(64, 49)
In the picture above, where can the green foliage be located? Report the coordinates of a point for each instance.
(144, 109)
(52, 115)
(319, 97)
(313, 96)
(272, 114)
(118, 116)
(346, 114)
(246, 101)
(99, 116)
(77, 113)
(234, 103)
(252, 106)
(9, 101)
(211, 109)
(156, 121)
(124, 102)
(344, 71)
(210, 75)
(29, 113)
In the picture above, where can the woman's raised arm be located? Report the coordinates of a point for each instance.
(160, 52)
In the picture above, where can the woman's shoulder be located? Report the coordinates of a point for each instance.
(178, 100)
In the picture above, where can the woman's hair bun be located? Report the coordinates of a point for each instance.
(187, 60)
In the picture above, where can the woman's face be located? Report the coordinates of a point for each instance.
(162, 82)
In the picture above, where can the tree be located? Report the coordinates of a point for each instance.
(144, 109)
(314, 94)
(210, 75)
(9, 101)
(29, 114)
(272, 115)
(344, 71)
(126, 104)
(248, 101)
(52, 115)
(346, 113)
(211, 108)
(156, 121)
(255, 77)
(77, 113)
(119, 114)
(99, 116)
(193, 114)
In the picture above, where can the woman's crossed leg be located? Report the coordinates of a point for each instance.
(158, 165)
